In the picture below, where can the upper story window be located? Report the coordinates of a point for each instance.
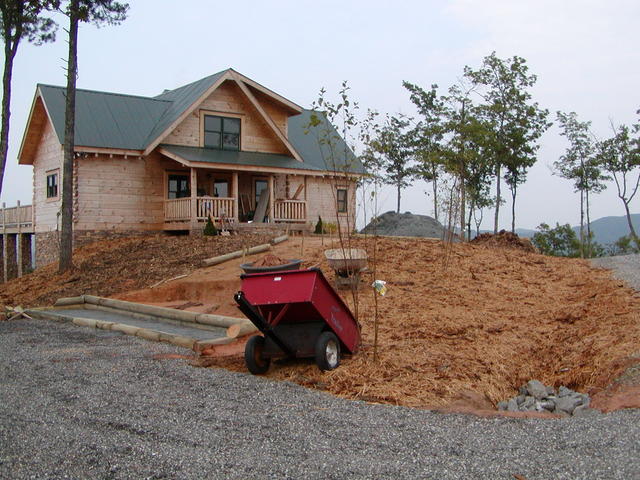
(221, 132)
(52, 185)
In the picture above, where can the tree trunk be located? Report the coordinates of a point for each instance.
(9, 54)
(462, 210)
(632, 231)
(589, 249)
(435, 198)
(66, 237)
(498, 198)
(399, 191)
(514, 192)
(471, 208)
(581, 223)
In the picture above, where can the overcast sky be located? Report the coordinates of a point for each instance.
(584, 52)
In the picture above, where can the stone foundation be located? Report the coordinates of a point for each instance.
(48, 243)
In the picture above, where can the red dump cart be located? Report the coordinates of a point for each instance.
(300, 315)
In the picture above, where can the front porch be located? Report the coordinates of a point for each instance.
(232, 198)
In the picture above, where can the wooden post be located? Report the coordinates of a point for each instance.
(234, 194)
(194, 197)
(4, 243)
(271, 197)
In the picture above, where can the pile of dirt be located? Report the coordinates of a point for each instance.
(108, 267)
(465, 317)
(504, 239)
(404, 225)
(269, 261)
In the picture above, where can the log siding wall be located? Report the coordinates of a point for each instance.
(256, 136)
(48, 157)
(122, 193)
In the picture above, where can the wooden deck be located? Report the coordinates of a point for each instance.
(18, 219)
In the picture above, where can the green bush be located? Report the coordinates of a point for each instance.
(318, 229)
(210, 229)
(562, 241)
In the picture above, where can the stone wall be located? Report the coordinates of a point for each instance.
(48, 243)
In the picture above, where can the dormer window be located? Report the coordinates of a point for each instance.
(222, 133)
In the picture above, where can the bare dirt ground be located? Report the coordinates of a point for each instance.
(482, 318)
(109, 267)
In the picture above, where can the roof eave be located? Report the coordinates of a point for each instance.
(27, 131)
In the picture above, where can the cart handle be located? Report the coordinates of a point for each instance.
(258, 320)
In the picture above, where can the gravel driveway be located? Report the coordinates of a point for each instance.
(624, 267)
(83, 403)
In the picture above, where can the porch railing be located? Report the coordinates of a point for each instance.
(13, 216)
(290, 211)
(215, 206)
(179, 209)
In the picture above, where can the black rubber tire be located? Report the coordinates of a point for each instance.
(327, 351)
(256, 363)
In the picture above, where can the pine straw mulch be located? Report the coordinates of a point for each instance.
(505, 239)
(109, 267)
(475, 317)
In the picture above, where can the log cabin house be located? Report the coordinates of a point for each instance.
(223, 146)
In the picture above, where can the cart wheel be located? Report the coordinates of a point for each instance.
(253, 356)
(327, 351)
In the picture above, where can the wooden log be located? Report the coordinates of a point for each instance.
(237, 254)
(178, 340)
(204, 344)
(240, 329)
(148, 334)
(216, 320)
(69, 301)
(126, 329)
(84, 322)
(280, 239)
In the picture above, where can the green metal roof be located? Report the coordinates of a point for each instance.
(106, 120)
(112, 120)
(332, 156)
(237, 157)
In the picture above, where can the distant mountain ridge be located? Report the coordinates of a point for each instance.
(605, 230)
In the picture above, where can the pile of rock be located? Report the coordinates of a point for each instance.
(534, 396)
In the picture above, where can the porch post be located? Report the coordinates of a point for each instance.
(234, 194)
(271, 197)
(194, 197)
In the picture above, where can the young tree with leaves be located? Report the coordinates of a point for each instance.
(393, 143)
(517, 123)
(620, 156)
(96, 12)
(19, 19)
(580, 165)
(428, 136)
(466, 142)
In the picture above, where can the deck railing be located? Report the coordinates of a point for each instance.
(215, 206)
(14, 216)
(179, 209)
(290, 211)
